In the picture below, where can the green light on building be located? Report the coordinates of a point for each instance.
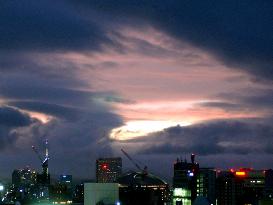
(181, 196)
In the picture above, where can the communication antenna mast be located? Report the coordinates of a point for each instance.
(44, 161)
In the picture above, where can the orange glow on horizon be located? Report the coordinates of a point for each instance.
(240, 173)
(140, 128)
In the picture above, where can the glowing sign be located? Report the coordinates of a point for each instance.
(181, 192)
(240, 173)
(178, 192)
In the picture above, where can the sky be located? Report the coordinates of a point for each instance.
(160, 79)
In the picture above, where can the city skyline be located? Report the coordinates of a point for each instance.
(160, 79)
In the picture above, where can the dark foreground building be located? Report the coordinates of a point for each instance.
(137, 188)
(206, 184)
(243, 186)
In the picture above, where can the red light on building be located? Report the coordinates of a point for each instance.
(104, 166)
(240, 173)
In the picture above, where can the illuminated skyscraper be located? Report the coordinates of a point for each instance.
(23, 177)
(243, 186)
(108, 170)
(24, 183)
(185, 181)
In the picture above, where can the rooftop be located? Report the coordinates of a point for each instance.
(138, 178)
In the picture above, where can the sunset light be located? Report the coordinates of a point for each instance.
(138, 128)
(40, 116)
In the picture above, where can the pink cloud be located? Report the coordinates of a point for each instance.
(165, 79)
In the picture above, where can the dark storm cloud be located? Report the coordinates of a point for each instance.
(10, 120)
(50, 94)
(53, 84)
(30, 66)
(237, 32)
(69, 104)
(46, 25)
(213, 138)
(244, 100)
(72, 144)
(262, 98)
(11, 117)
(77, 134)
(62, 112)
(79, 115)
(34, 79)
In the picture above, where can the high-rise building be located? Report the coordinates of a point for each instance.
(253, 183)
(269, 184)
(243, 186)
(108, 170)
(206, 182)
(66, 179)
(185, 181)
(78, 195)
(61, 192)
(23, 177)
(226, 188)
(24, 184)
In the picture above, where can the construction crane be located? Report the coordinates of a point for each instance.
(44, 161)
(144, 170)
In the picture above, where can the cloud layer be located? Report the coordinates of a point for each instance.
(238, 33)
(214, 138)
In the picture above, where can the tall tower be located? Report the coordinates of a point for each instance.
(185, 181)
(46, 176)
(45, 161)
(43, 178)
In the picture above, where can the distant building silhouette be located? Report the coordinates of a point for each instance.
(108, 170)
(78, 195)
